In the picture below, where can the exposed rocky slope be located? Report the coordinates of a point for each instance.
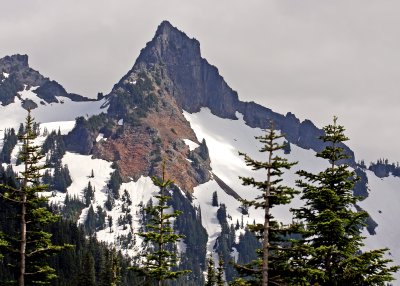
(175, 60)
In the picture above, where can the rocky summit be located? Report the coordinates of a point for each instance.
(171, 107)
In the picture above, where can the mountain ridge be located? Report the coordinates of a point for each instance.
(161, 110)
(16, 76)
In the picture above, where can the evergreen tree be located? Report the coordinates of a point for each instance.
(88, 275)
(88, 194)
(32, 243)
(9, 142)
(272, 193)
(3, 243)
(332, 241)
(214, 201)
(159, 261)
(211, 275)
(220, 273)
(115, 183)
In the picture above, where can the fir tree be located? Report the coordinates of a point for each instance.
(88, 275)
(115, 183)
(272, 193)
(33, 242)
(159, 261)
(332, 237)
(220, 273)
(3, 243)
(211, 275)
(214, 201)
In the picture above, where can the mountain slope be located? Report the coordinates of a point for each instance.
(173, 106)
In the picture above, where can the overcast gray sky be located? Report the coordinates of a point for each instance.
(311, 57)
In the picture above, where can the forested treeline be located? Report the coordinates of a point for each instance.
(42, 244)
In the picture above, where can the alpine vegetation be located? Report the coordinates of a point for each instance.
(266, 270)
(30, 242)
(330, 250)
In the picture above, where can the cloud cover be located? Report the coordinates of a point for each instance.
(313, 58)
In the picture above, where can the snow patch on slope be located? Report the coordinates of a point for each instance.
(192, 145)
(382, 205)
(29, 94)
(13, 114)
(225, 138)
(80, 167)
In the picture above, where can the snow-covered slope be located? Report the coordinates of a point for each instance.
(226, 137)
(383, 205)
(66, 110)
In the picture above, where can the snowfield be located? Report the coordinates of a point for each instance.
(66, 110)
(383, 206)
(225, 137)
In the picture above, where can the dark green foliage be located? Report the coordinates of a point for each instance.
(273, 193)
(382, 168)
(87, 259)
(214, 201)
(61, 179)
(195, 239)
(134, 100)
(211, 277)
(225, 242)
(286, 147)
(95, 220)
(88, 194)
(203, 150)
(331, 248)
(70, 264)
(55, 148)
(159, 261)
(109, 202)
(87, 276)
(72, 209)
(9, 141)
(29, 241)
(247, 246)
(114, 183)
(220, 281)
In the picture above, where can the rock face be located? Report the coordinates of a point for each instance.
(144, 124)
(16, 75)
(176, 61)
(190, 79)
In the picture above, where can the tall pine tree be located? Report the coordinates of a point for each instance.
(332, 241)
(273, 193)
(31, 243)
(159, 262)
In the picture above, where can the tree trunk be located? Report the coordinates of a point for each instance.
(22, 249)
(266, 225)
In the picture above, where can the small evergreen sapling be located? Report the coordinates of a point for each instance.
(159, 262)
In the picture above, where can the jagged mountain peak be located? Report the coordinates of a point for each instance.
(168, 45)
(174, 60)
(9, 64)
